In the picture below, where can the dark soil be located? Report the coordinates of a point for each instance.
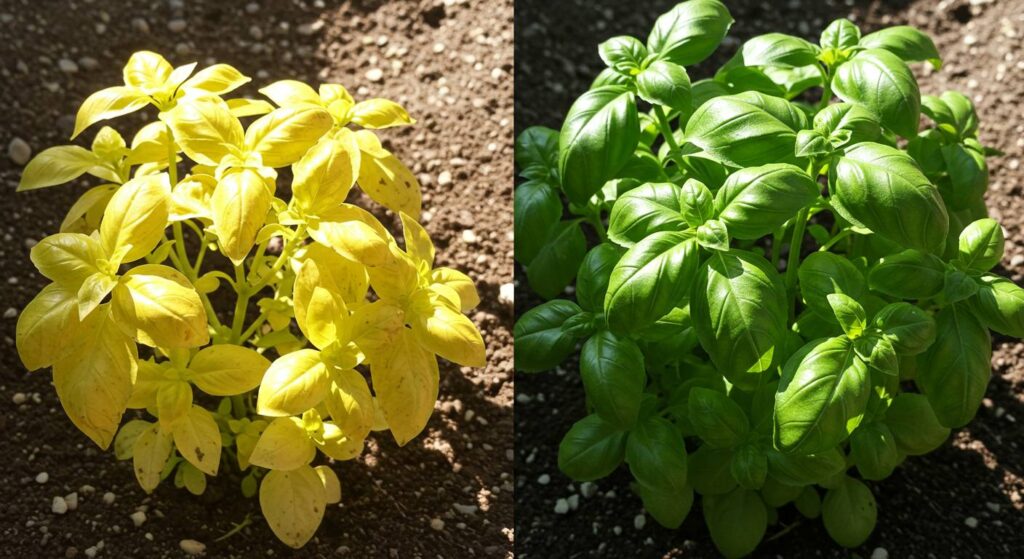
(461, 95)
(924, 506)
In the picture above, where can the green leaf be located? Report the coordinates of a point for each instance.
(881, 188)
(777, 49)
(849, 512)
(689, 32)
(880, 356)
(913, 424)
(667, 84)
(840, 34)
(953, 112)
(591, 450)
(738, 309)
(756, 201)
(958, 286)
(794, 81)
(882, 83)
(824, 273)
(967, 175)
(624, 54)
(847, 124)
(750, 465)
(719, 421)
(999, 305)
(539, 340)
(593, 276)
(651, 278)
(906, 42)
(646, 209)
(849, 313)
(955, 370)
(556, 263)
(598, 137)
(613, 376)
(775, 494)
(805, 469)
(713, 235)
(981, 246)
(668, 508)
(910, 274)
(740, 79)
(873, 450)
(822, 396)
(808, 503)
(708, 471)
(910, 329)
(747, 129)
(811, 143)
(697, 204)
(737, 521)
(537, 152)
(537, 209)
(656, 454)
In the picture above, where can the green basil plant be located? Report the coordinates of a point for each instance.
(786, 298)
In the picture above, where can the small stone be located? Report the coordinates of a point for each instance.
(88, 63)
(19, 151)
(507, 294)
(970, 39)
(138, 517)
(43, 477)
(59, 505)
(465, 509)
(445, 178)
(375, 74)
(971, 522)
(192, 547)
(11, 312)
(436, 524)
(71, 552)
(140, 25)
(252, 8)
(561, 506)
(639, 521)
(544, 479)
(72, 500)
(20, 397)
(177, 25)
(574, 502)
(588, 489)
(994, 507)
(109, 497)
(67, 66)
(255, 32)
(1017, 260)
(438, 48)
(880, 553)
(469, 236)
(91, 552)
(310, 28)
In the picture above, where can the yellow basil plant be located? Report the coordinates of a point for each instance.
(129, 319)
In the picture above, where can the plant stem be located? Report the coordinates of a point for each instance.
(242, 288)
(238, 528)
(286, 253)
(595, 221)
(793, 262)
(835, 239)
(826, 88)
(670, 139)
(172, 157)
(254, 326)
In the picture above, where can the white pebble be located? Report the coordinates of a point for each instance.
(19, 151)
(574, 501)
(375, 74)
(21, 397)
(252, 8)
(109, 497)
(994, 507)
(544, 479)
(639, 521)
(11, 312)
(138, 517)
(192, 547)
(507, 294)
(67, 65)
(445, 178)
(59, 505)
(588, 489)
(971, 522)
(1017, 260)
(72, 500)
(469, 236)
(465, 509)
(880, 553)
(43, 477)
(561, 506)
(177, 25)
(93, 550)
(310, 28)
(436, 524)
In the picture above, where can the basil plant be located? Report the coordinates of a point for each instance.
(786, 298)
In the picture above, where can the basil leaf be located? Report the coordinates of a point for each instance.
(669, 508)
(794, 81)
(981, 246)
(852, 124)
(656, 454)
(873, 449)
(805, 469)
(910, 329)
(623, 54)
(747, 129)
(556, 262)
(958, 286)
(749, 465)
(778, 49)
(716, 419)
(954, 372)
(849, 512)
(738, 309)
(755, 201)
(906, 42)
(713, 235)
(702, 91)
(808, 503)
(822, 397)
(840, 34)
(967, 174)
(689, 32)
(581, 326)
(824, 273)
(910, 274)
(776, 494)
(737, 521)
(592, 279)
(697, 204)
(537, 152)
(665, 83)
(848, 313)
(647, 209)
(811, 143)
(610, 77)
(740, 79)
(598, 137)
(613, 375)
(882, 83)
(537, 209)
(539, 340)
(708, 471)
(953, 112)
(881, 188)
(591, 450)
(913, 424)
(651, 278)
(880, 356)
(999, 305)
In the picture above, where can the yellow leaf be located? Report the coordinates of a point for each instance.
(84, 215)
(190, 198)
(56, 165)
(148, 381)
(249, 107)
(324, 311)
(293, 503)
(226, 370)
(417, 241)
(192, 478)
(375, 326)
(161, 304)
(47, 327)
(108, 103)
(172, 89)
(293, 384)
(460, 283)
(284, 445)
(246, 441)
(323, 267)
(380, 113)
(385, 179)
(147, 70)
(124, 442)
(354, 233)
(205, 129)
(150, 144)
(326, 173)
(150, 454)
(67, 258)
(108, 145)
(350, 403)
(94, 289)
(442, 329)
(288, 93)
(338, 445)
(405, 379)
(95, 380)
(332, 485)
(136, 216)
(283, 136)
(217, 79)
(198, 440)
(397, 277)
(331, 92)
(173, 401)
(240, 204)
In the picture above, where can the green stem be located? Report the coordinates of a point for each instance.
(595, 221)
(777, 247)
(793, 262)
(826, 88)
(242, 287)
(179, 247)
(670, 139)
(254, 326)
(238, 528)
(835, 239)
(286, 253)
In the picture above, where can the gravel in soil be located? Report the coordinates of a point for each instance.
(964, 500)
(448, 493)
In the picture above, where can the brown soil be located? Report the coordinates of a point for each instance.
(924, 505)
(460, 94)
